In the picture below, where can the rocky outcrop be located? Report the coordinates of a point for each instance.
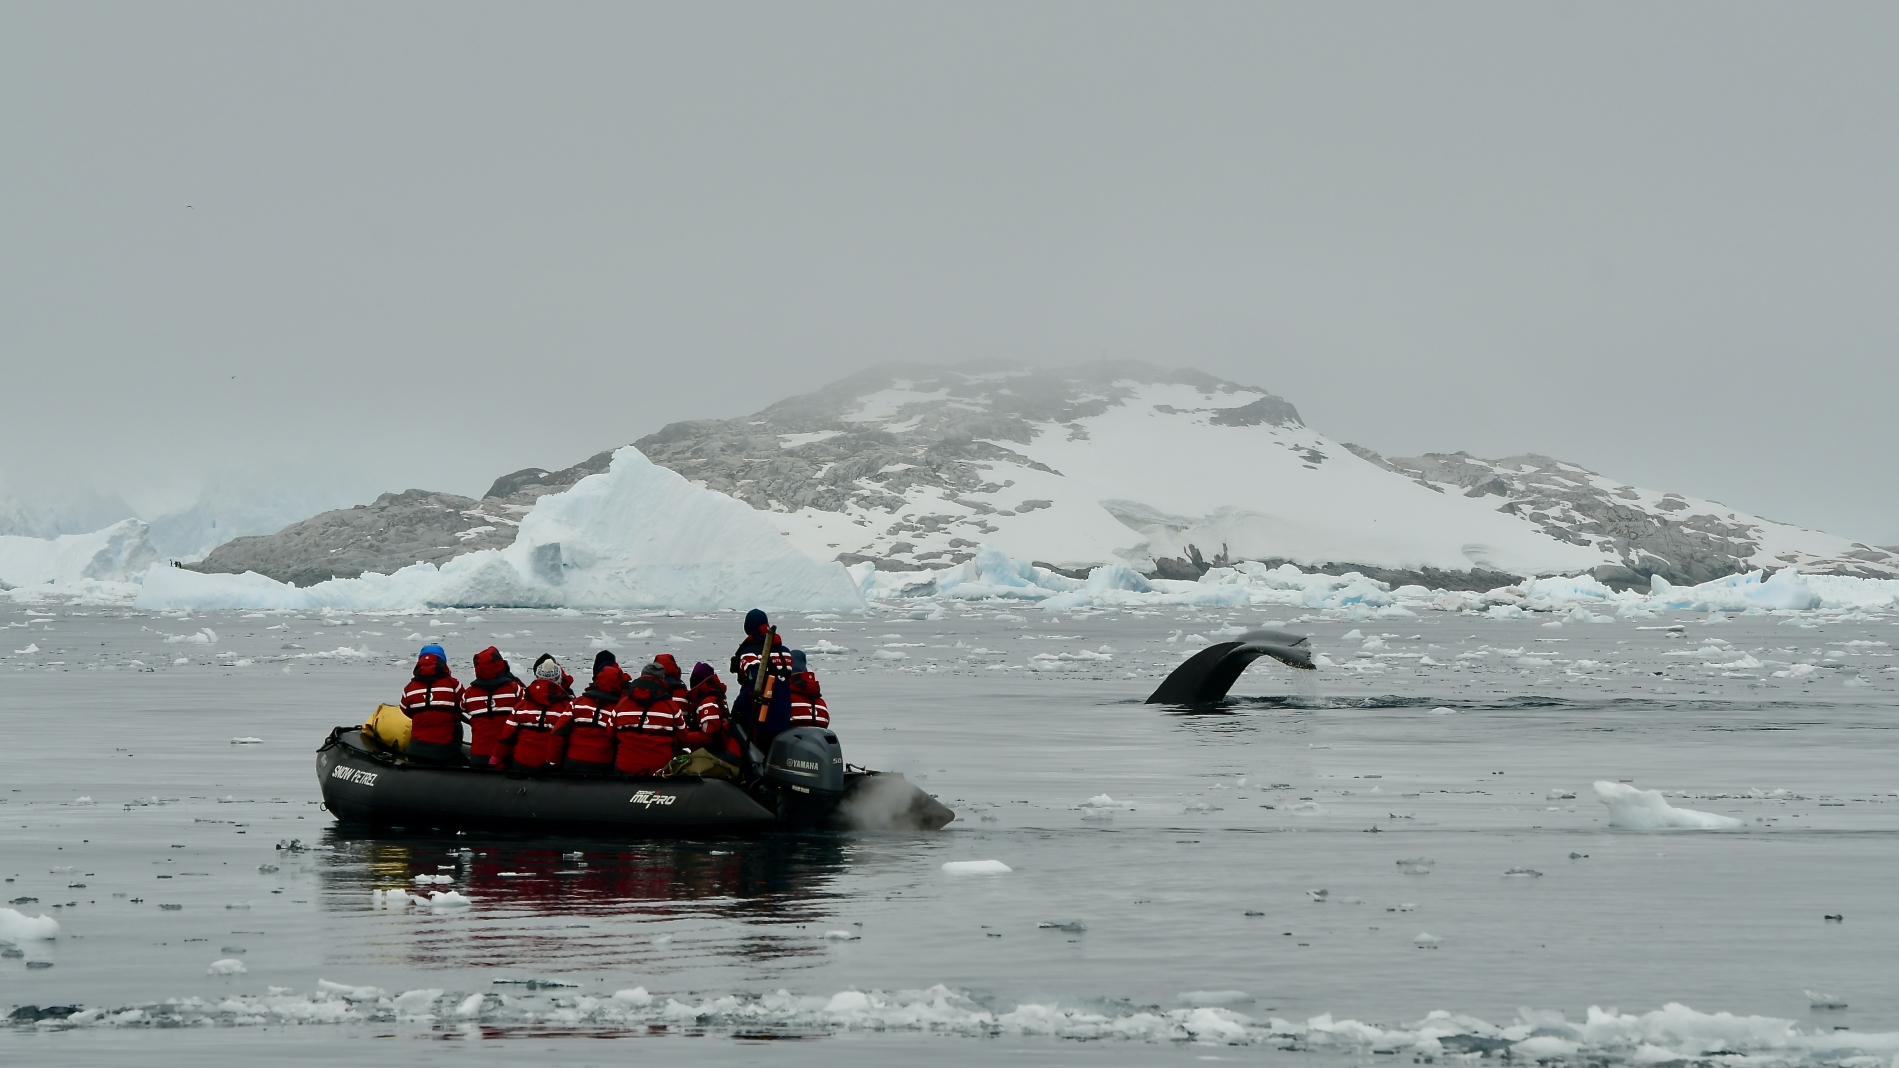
(1685, 540)
(397, 530)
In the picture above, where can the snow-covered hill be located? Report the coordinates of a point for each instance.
(1171, 472)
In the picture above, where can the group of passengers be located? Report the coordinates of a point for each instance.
(652, 723)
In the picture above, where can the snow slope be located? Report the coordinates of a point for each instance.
(635, 536)
(1171, 472)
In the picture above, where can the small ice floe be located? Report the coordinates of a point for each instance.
(247, 741)
(1560, 794)
(1442, 711)
(1207, 999)
(470, 1007)
(842, 936)
(87, 800)
(1319, 896)
(1644, 810)
(1408, 906)
(1523, 873)
(1817, 1000)
(1306, 808)
(1071, 926)
(16, 927)
(444, 902)
(1416, 865)
(636, 997)
(1426, 940)
(1798, 671)
(227, 966)
(424, 879)
(890, 654)
(976, 867)
(207, 636)
(30, 648)
(1202, 806)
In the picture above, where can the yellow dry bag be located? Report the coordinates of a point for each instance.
(388, 727)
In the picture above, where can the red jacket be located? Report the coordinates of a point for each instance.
(646, 724)
(538, 728)
(592, 737)
(807, 702)
(432, 701)
(486, 704)
(706, 718)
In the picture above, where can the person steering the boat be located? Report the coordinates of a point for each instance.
(535, 738)
(590, 743)
(646, 725)
(486, 704)
(776, 716)
(432, 699)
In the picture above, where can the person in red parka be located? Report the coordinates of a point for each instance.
(486, 704)
(536, 734)
(590, 745)
(673, 680)
(707, 723)
(432, 700)
(807, 700)
(646, 725)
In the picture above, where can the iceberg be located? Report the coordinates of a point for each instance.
(1645, 810)
(634, 536)
(95, 566)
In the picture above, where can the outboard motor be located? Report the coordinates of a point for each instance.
(806, 770)
(807, 760)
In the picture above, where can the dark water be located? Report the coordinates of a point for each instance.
(1196, 886)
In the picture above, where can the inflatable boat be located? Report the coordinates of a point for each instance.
(803, 785)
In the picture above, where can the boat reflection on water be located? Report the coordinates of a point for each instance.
(576, 904)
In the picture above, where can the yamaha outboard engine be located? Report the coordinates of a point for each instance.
(807, 765)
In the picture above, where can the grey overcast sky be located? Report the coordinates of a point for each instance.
(373, 246)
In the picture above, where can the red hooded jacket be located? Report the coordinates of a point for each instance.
(432, 701)
(807, 702)
(706, 718)
(538, 728)
(646, 724)
(592, 739)
(487, 702)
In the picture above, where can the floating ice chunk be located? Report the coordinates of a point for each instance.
(440, 901)
(1644, 810)
(1559, 794)
(1353, 635)
(976, 867)
(84, 801)
(1798, 671)
(227, 966)
(16, 927)
(181, 661)
(30, 648)
(1201, 999)
(890, 654)
(1442, 711)
(1426, 940)
(1416, 865)
(350, 993)
(1818, 1000)
(842, 936)
(247, 741)
(207, 636)
(1306, 808)
(423, 879)
(636, 997)
(1523, 873)
(415, 1002)
(1071, 926)
(470, 1007)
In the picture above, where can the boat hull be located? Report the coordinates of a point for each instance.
(362, 785)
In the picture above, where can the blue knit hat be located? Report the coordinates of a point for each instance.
(755, 621)
(436, 650)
